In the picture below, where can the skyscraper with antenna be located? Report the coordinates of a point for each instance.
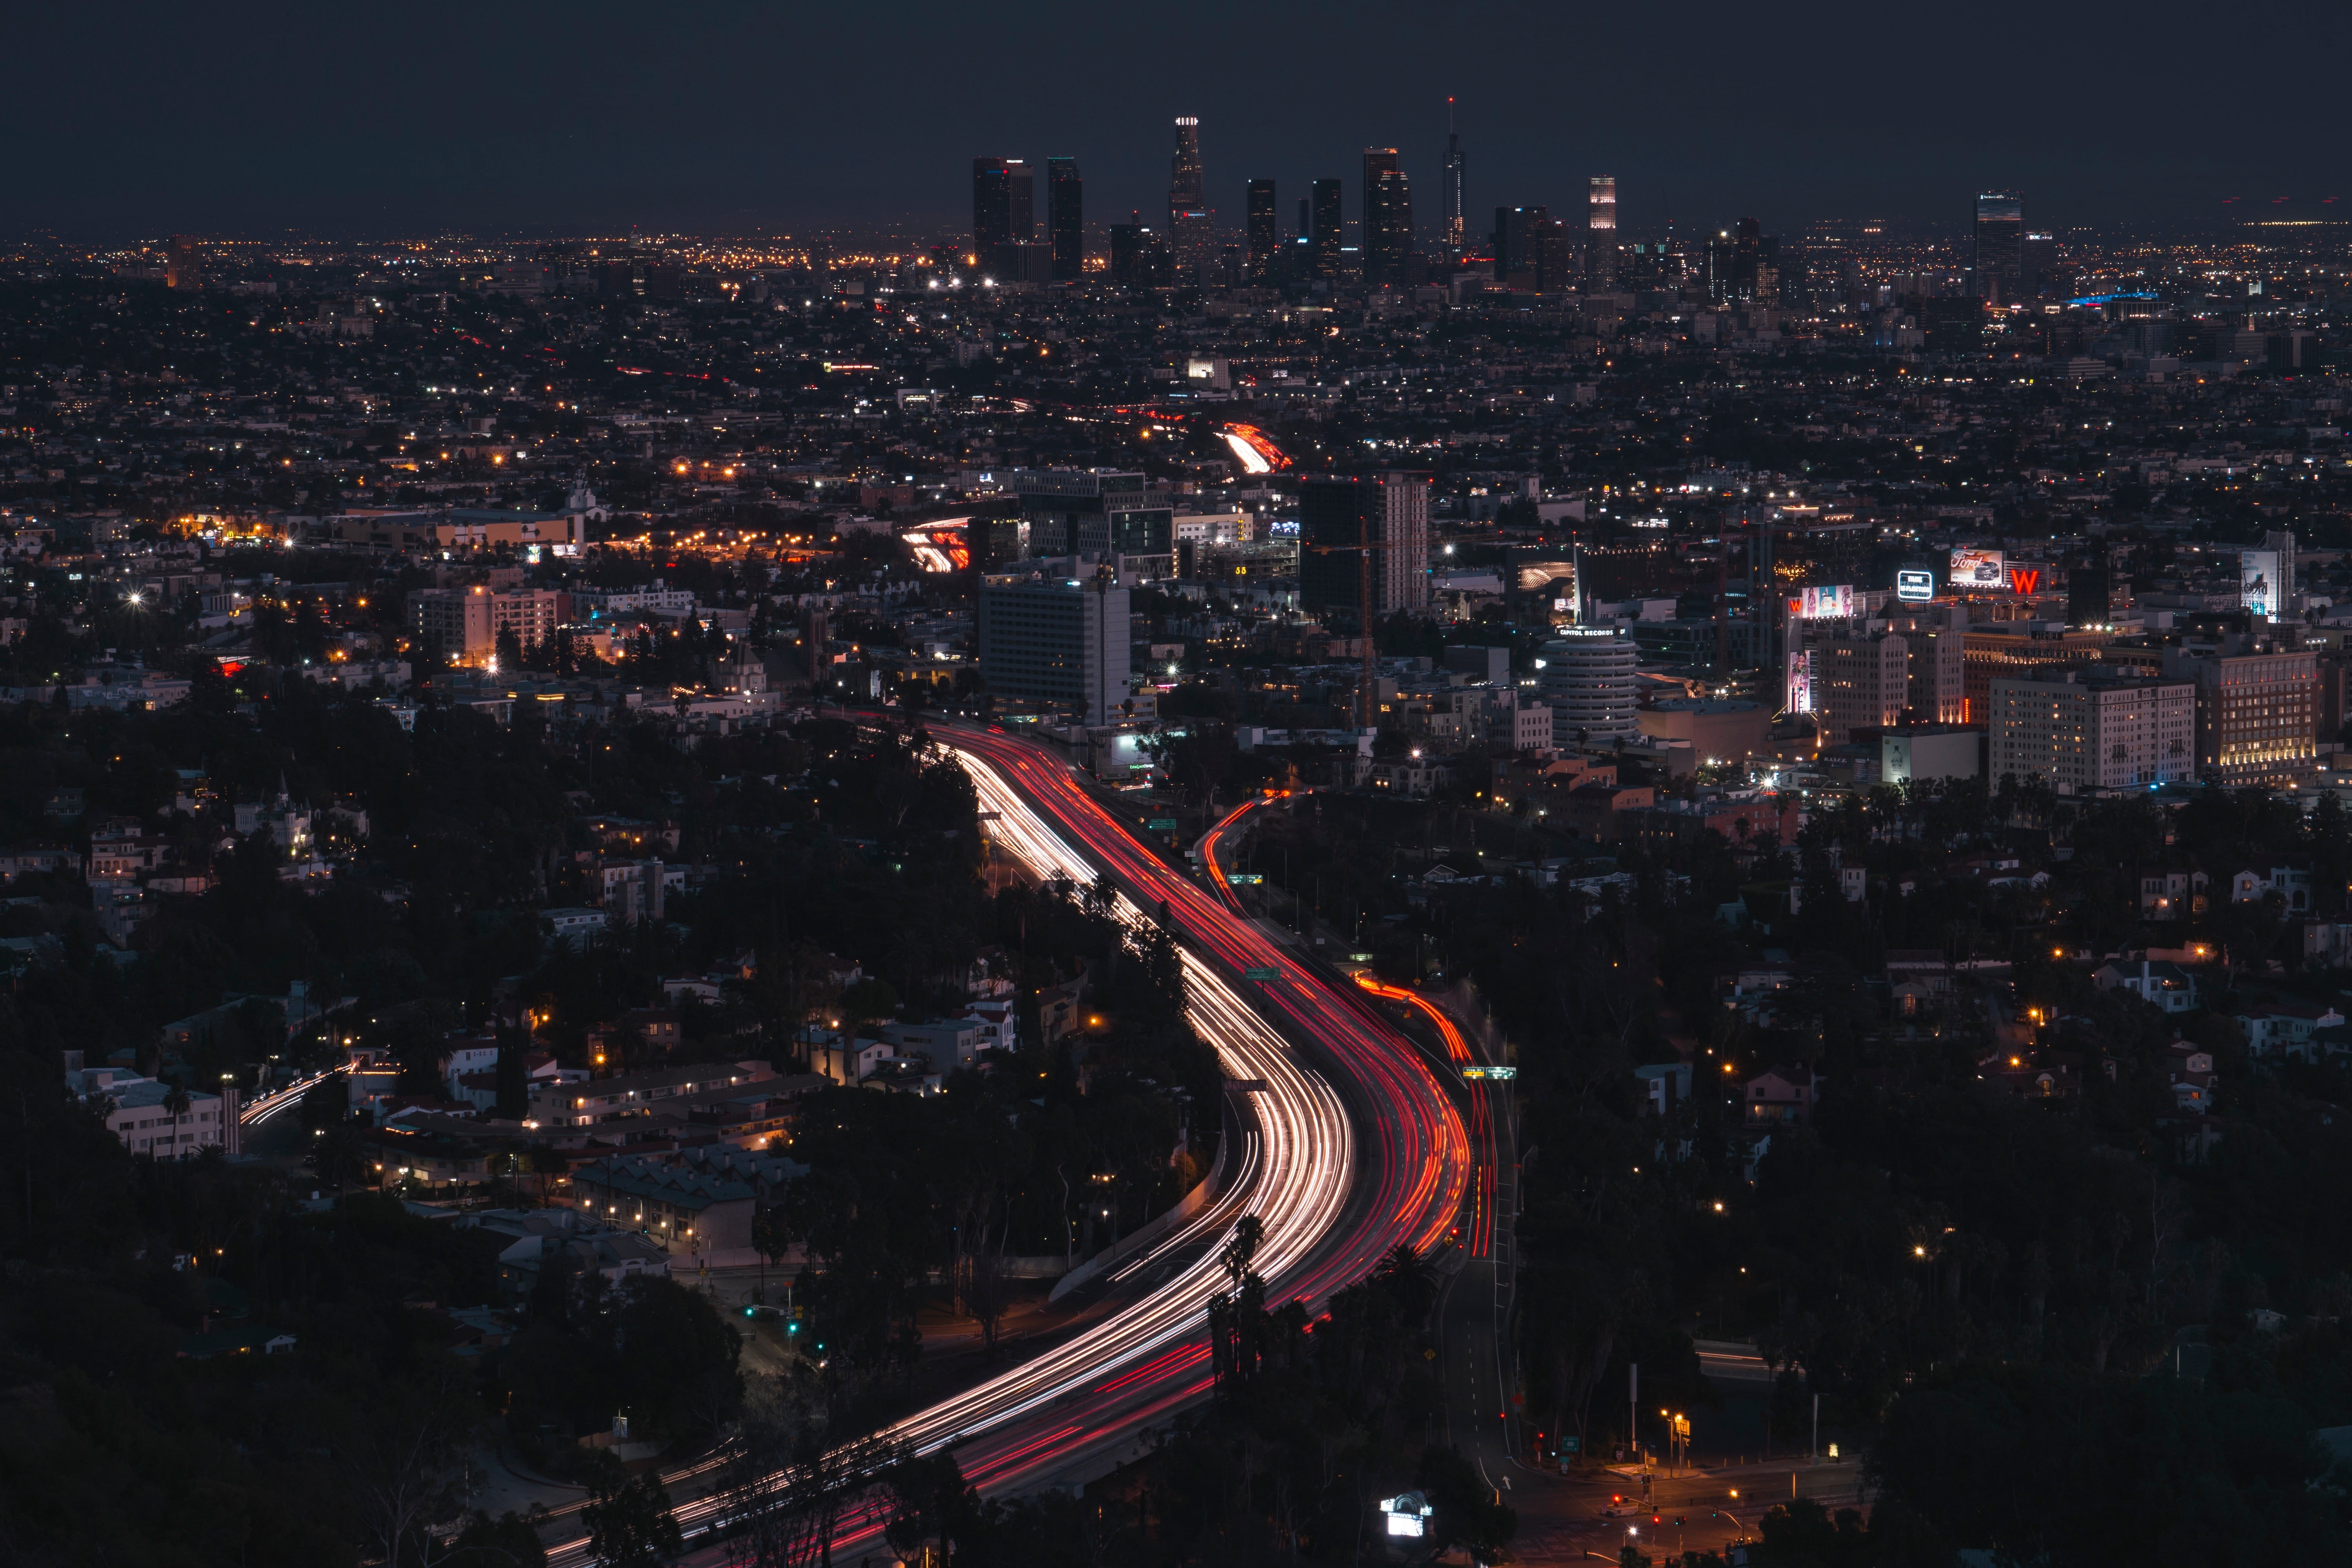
(1450, 197)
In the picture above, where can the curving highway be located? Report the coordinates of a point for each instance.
(1332, 1200)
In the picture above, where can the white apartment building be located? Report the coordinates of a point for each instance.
(136, 1113)
(2081, 735)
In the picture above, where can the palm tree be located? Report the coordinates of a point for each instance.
(1410, 1278)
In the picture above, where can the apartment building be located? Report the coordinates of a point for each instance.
(2078, 733)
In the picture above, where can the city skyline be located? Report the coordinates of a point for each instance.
(343, 127)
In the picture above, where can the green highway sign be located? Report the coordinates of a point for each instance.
(1161, 824)
(1249, 878)
(1262, 973)
(1490, 1072)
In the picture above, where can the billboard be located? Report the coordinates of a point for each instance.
(1974, 570)
(1914, 585)
(2258, 577)
(1801, 680)
(1827, 603)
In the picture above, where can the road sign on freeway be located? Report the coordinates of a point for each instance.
(1161, 825)
(1250, 878)
(1490, 1072)
(1266, 974)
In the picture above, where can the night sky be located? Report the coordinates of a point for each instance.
(131, 120)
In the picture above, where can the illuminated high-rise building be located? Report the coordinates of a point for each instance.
(184, 265)
(1003, 203)
(1327, 247)
(1066, 218)
(1450, 196)
(1601, 231)
(1191, 225)
(1264, 232)
(1999, 251)
(1388, 217)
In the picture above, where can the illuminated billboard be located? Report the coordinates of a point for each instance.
(1831, 604)
(1801, 680)
(1914, 585)
(2258, 576)
(1979, 569)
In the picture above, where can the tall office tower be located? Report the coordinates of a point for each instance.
(2038, 272)
(184, 266)
(1515, 232)
(1450, 196)
(1327, 228)
(1139, 255)
(1306, 218)
(1003, 203)
(1601, 231)
(1191, 227)
(1743, 265)
(1264, 233)
(1557, 259)
(1391, 510)
(2000, 260)
(1056, 641)
(1066, 218)
(1388, 217)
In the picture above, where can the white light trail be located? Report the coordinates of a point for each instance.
(1294, 1174)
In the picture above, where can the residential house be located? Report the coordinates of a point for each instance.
(2291, 883)
(2285, 1028)
(1666, 1085)
(1782, 1096)
(2170, 894)
(2190, 1070)
(844, 1058)
(575, 929)
(1923, 976)
(948, 1044)
(2160, 982)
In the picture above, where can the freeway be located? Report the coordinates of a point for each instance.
(270, 1104)
(1331, 1200)
(1474, 1310)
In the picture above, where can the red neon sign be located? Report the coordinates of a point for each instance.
(2024, 579)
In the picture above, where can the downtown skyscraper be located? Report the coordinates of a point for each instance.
(1388, 217)
(1325, 209)
(1004, 203)
(1066, 218)
(1265, 230)
(1601, 231)
(1999, 248)
(1450, 193)
(1191, 227)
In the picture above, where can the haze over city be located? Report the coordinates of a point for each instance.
(141, 118)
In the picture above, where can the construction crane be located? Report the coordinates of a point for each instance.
(1363, 547)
